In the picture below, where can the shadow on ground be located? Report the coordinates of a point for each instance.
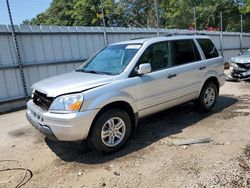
(149, 130)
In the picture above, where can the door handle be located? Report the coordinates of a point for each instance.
(172, 75)
(202, 67)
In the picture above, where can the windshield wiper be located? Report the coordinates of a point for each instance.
(94, 72)
(87, 71)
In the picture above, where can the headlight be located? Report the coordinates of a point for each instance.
(234, 65)
(67, 103)
(32, 94)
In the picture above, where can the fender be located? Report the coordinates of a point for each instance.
(113, 96)
(209, 74)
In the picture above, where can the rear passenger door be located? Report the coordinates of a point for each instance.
(212, 59)
(191, 68)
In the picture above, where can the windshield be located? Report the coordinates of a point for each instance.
(246, 52)
(111, 60)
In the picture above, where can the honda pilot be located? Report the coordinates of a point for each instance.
(104, 98)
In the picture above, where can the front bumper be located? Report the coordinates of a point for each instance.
(42, 128)
(239, 73)
(64, 127)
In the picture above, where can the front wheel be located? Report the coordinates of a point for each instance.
(208, 96)
(111, 130)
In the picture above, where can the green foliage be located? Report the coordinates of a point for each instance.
(176, 13)
(179, 14)
(57, 14)
(210, 14)
(84, 12)
(246, 8)
(141, 13)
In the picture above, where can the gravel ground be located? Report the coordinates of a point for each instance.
(149, 159)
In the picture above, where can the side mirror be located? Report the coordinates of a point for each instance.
(240, 53)
(144, 69)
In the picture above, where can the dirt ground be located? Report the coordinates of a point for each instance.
(149, 159)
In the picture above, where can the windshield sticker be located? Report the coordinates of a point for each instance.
(133, 46)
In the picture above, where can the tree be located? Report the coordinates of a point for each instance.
(179, 14)
(141, 13)
(246, 8)
(57, 14)
(85, 12)
(209, 12)
(80, 12)
(176, 13)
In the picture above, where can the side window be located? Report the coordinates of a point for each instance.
(158, 55)
(208, 48)
(184, 51)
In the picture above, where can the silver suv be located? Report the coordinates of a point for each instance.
(103, 99)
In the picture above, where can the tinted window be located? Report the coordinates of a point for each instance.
(208, 48)
(184, 51)
(158, 55)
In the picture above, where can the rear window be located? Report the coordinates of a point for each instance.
(208, 48)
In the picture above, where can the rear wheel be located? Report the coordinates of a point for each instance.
(208, 96)
(111, 131)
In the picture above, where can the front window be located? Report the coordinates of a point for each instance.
(158, 55)
(246, 52)
(111, 60)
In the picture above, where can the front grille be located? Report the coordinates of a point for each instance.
(42, 100)
(244, 65)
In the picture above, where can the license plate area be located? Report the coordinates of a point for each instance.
(37, 116)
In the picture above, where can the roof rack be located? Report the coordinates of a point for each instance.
(138, 38)
(187, 33)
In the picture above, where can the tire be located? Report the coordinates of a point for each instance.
(208, 97)
(111, 131)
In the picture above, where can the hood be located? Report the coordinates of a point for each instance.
(241, 59)
(71, 82)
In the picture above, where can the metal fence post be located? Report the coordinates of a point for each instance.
(241, 33)
(195, 18)
(157, 17)
(221, 35)
(104, 25)
(19, 61)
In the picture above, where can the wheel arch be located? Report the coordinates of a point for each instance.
(123, 105)
(213, 79)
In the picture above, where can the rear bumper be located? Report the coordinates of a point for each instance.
(222, 79)
(64, 127)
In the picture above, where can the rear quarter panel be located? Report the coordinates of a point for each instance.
(214, 68)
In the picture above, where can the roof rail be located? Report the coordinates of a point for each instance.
(138, 38)
(187, 33)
